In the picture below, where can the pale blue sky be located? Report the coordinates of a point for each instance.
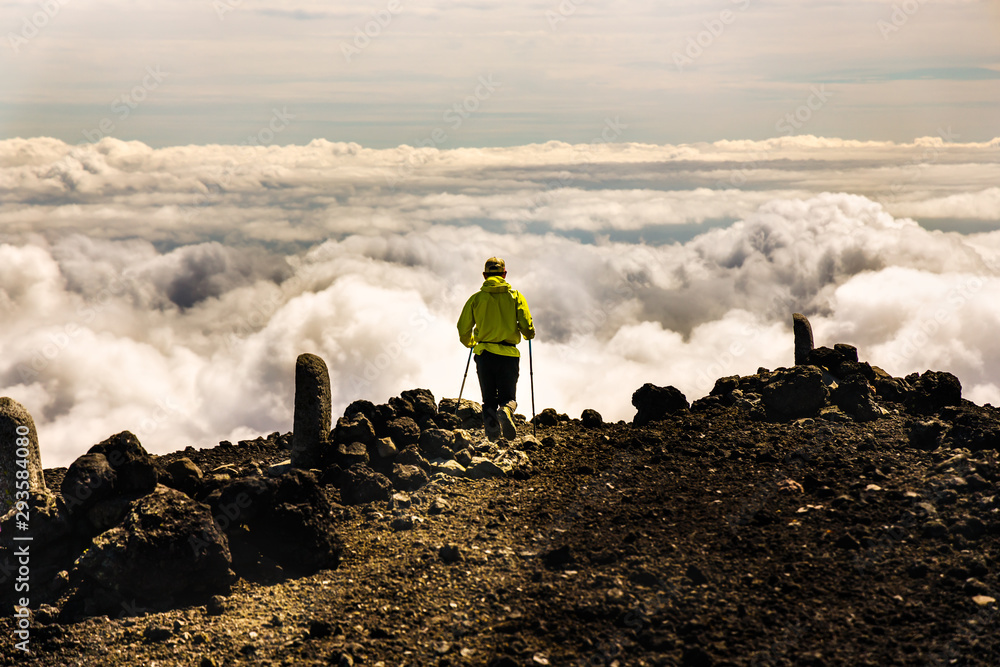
(670, 72)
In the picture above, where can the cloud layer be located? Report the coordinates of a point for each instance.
(169, 291)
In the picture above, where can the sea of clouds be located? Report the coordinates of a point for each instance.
(169, 291)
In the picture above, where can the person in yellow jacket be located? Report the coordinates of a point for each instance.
(492, 323)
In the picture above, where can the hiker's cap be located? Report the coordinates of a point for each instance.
(494, 265)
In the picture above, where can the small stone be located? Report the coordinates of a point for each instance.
(847, 542)
(319, 629)
(450, 553)
(401, 500)
(540, 659)
(935, 530)
(439, 506)
(975, 587)
(386, 448)
(279, 469)
(216, 605)
(447, 467)
(695, 574)
(983, 600)
(402, 523)
(481, 468)
(157, 633)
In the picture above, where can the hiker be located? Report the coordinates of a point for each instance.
(492, 323)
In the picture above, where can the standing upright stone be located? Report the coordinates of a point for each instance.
(15, 423)
(803, 338)
(311, 427)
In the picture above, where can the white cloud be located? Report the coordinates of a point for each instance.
(169, 291)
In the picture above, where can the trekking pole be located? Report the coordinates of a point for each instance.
(531, 369)
(458, 403)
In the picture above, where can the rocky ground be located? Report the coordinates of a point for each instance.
(715, 534)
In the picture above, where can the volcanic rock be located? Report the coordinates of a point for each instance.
(434, 441)
(13, 417)
(796, 392)
(135, 471)
(408, 477)
(653, 403)
(932, 391)
(166, 533)
(89, 479)
(591, 418)
(802, 331)
(360, 484)
(311, 425)
(403, 431)
(182, 474)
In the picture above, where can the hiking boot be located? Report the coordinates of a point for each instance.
(505, 416)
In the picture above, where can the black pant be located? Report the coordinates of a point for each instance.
(498, 381)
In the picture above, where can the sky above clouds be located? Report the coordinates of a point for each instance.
(391, 72)
(194, 192)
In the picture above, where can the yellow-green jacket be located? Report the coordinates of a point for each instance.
(496, 313)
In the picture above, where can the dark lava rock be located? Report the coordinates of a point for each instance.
(89, 479)
(792, 393)
(135, 472)
(357, 428)
(927, 434)
(360, 484)
(415, 403)
(856, 397)
(434, 440)
(411, 457)
(403, 431)
(653, 403)
(547, 417)
(347, 454)
(285, 520)
(13, 416)
(802, 332)
(167, 550)
(591, 418)
(932, 391)
(182, 474)
(408, 477)
(311, 420)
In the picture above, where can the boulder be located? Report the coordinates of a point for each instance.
(547, 417)
(932, 391)
(856, 397)
(403, 431)
(408, 477)
(167, 551)
(311, 425)
(591, 418)
(653, 403)
(433, 443)
(386, 449)
(483, 468)
(286, 520)
(792, 393)
(412, 456)
(360, 484)
(135, 471)
(802, 331)
(347, 454)
(415, 403)
(469, 413)
(357, 428)
(89, 479)
(184, 475)
(18, 440)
